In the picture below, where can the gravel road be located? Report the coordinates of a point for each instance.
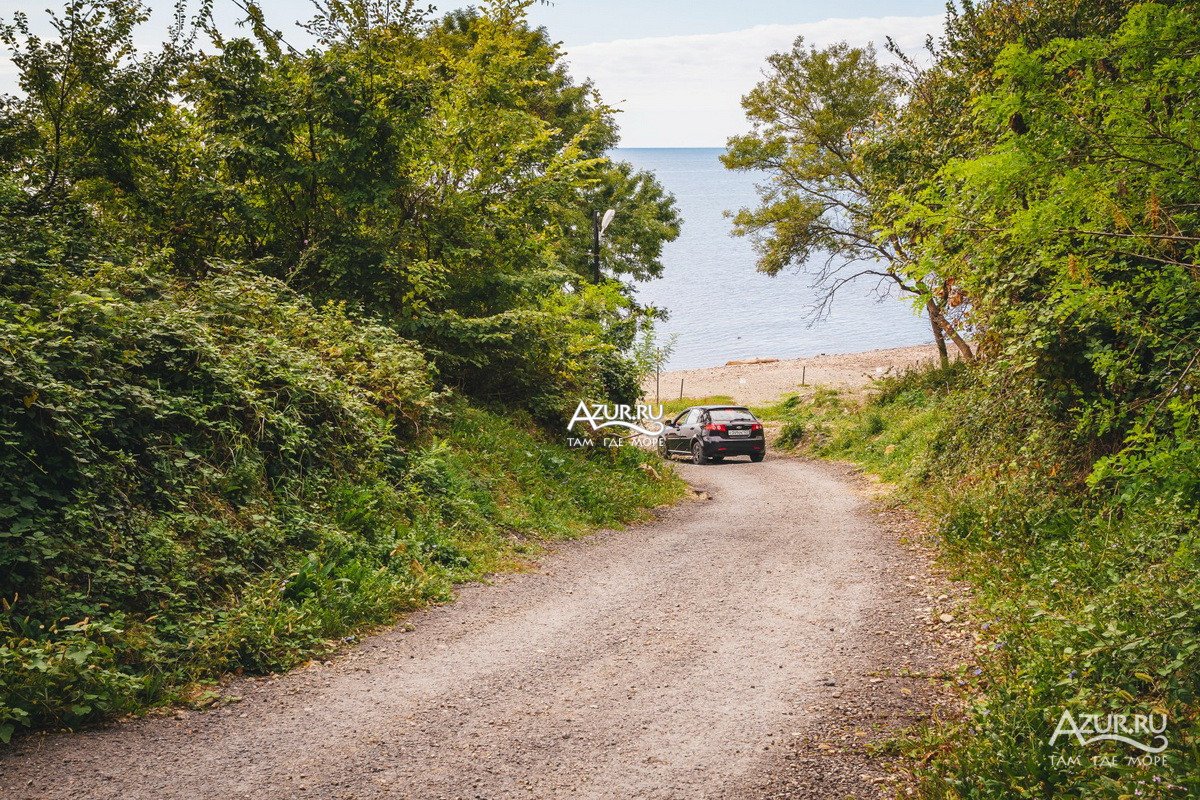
(745, 644)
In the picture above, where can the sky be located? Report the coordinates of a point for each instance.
(676, 69)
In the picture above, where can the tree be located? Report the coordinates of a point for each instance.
(646, 219)
(437, 174)
(820, 124)
(647, 216)
(84, 138)
(1081, 219)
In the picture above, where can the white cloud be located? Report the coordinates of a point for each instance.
(685, 91)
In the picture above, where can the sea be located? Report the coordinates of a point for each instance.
(721, 308)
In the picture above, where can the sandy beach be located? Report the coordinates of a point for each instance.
(766, 380)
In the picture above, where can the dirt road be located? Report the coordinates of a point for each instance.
(740, 646)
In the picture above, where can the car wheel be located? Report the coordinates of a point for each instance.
(662, 447)
(698, 456)
(757, 457)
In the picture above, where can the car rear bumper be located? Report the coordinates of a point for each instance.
(734, 447)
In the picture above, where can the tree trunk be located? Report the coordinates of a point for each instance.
(938, 336)
(935, 314)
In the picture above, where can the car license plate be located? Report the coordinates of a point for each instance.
(739, 433)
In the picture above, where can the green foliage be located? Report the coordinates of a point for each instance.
(88, 98)
(1089, 599)
(247, 512)
(440, 175)
(242, 296)
(164, 444)
(809, 115)
(890, 432)
(646, 218)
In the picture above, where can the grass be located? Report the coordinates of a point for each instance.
(888, 438)
(1082, 602)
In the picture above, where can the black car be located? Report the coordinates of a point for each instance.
(710, 433)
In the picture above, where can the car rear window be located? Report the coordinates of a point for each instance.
(729, 414)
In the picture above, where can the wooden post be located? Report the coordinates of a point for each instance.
(681, 388)
(804, 375)
(596, 247)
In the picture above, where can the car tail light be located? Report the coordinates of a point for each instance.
(712, 426)
(757, 426)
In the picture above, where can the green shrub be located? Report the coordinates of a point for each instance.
(207, 476)
(1086, 582)
(791, 434)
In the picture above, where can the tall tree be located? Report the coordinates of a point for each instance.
(87, 130)
(1077, 205)
(820, 123)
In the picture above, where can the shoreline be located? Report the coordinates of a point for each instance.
(764, 381)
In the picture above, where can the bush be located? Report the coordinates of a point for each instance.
(1085, 580)
(215, 475)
